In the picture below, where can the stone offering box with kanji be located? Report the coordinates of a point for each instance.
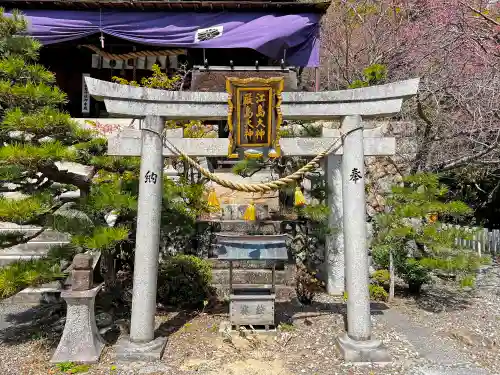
(252, 306)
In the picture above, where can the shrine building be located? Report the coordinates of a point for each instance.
(204, 41)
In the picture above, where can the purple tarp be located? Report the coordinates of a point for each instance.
(270, 34)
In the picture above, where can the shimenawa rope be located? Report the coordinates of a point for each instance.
(260, 187)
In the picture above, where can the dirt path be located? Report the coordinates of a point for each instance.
(440, 333)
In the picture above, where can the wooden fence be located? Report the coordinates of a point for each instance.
(484, 241)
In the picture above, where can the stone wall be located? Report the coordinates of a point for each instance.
(384, 172)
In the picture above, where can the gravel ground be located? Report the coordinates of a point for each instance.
(304, 346)
(468, 321)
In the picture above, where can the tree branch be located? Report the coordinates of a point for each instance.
(50, 211)
(450, 164)
(81, 182)
(489, 19)
(24, 239)
(495, 161)
(426, 141)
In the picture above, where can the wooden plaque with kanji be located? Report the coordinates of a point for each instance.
(254, 116)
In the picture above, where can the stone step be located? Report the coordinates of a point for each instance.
(283, 292)
(236, 211)
(244, 226)
(47, 293)
(31, 248)
(8, 259)
(252, 276)
(35, 248)
(249, 264)
(46, 236)
(26, 251)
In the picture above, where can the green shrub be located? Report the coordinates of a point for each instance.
(468, 281)
(381, 277)
(411, 231)
(184, 280)
(377, 293)
(415, 274)
(72, 368)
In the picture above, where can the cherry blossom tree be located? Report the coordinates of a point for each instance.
(452, 45)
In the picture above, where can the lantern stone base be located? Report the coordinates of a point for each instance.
(127, 350)
(80, 341)
(362, 352)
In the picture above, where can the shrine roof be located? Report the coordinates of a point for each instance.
(311, 6)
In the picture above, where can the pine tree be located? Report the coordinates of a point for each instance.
(36, 138)
(411, 233)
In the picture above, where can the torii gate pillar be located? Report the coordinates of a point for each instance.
(357, 344)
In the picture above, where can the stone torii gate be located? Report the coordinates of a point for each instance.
(347, 198)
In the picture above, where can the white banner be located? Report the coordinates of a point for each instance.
(208, 33)
(85, 95)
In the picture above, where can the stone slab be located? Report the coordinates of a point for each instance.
(50, 293)
(259, 310)
(367, 133)
(237, 211)
(250, 276)
(251, 264)
(244, 226)
(327, 110)
(313, 146)
(128, 143)
(46, 236)
(399, 89)
(126, 350)
(31, 248)
(81, 279)
(139, 101)
(283, 292)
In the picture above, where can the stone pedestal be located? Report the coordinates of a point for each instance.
(127, 350)
(80, 341)
(362, 351)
